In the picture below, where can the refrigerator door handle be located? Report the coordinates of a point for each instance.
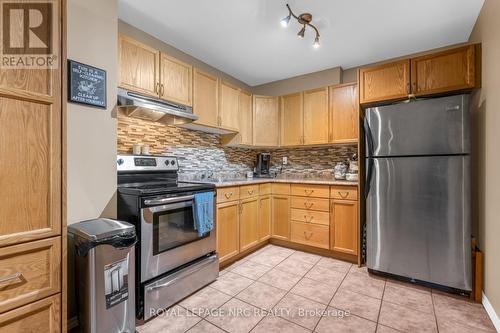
(369, 138)
(369, 175)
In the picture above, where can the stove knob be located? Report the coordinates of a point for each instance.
(120, 161)
(172, 162)
(166, 162)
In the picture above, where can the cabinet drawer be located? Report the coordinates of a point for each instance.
(226, 194)
(265, 189)
(248, 191)
(316, 191)
(310, 234)
(311, 203)
(40, 316)
(310, 216)
(344, 192)
(283, 189)
(29, 272)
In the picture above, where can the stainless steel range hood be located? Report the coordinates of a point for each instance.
(154, 109)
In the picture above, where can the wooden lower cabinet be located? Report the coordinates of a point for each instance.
(281, 216)
(264, 217)
(344, 227)
(310, 234)
(228, 214)
(42, 316)
(34, 270)
(249, 223)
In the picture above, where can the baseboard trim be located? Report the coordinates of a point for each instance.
(72, 323)
(491, 312)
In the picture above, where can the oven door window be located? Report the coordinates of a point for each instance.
(174, 227)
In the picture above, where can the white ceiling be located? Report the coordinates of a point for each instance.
(244, 38)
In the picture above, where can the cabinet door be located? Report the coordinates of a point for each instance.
(249, 223)
(316, 116)
(229, 106)
(245, 111)
(30, 170)
(205, 98)
(384, 82)
(176, 80)
(138, 66)
(228, 229)
(292, 115)
(281, 216)
(264, 217)
(344, 226)
(444, 71)
(344, 109)
(265, 121)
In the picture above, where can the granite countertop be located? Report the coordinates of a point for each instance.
(317, 181)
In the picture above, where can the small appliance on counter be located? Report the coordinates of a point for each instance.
(263, 165)
(352, 172)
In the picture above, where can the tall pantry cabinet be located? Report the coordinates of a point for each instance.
(31, 227)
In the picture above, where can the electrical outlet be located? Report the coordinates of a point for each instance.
(285, 160)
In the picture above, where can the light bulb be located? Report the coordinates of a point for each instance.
(285, 21)
(302, 32)
(316, 42)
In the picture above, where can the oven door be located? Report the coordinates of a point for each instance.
(168, 235)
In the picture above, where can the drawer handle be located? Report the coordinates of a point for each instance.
(308, 192)
(305, 218)
(305, 235)
(344, 196)
(308, 206)
(228, 195)
(250, 191)
(11, 277)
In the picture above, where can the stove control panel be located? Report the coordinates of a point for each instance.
(146, 163)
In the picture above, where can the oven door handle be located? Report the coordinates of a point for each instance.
(162, 201)
(183, 274)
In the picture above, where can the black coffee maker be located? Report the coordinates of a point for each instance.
(263, 165)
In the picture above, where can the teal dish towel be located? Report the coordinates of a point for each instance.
(203, 212)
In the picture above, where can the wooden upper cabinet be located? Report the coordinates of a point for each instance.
(384, 82)
(245, 113)
(175, 80)
(229, 96)
(316, 127)
(265, 121)
(344, 110)
(444, 71)
(205, 98)
(292, 115)
(138, 66)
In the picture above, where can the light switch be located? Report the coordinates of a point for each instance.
(285, 160)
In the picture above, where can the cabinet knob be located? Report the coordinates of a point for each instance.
(308, 192)
(307, 237)
(308, 205)
(250, 191)
(228, 195)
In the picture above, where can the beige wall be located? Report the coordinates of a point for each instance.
(299, 83)
(147, 39)
(486, 122)
(91, 132)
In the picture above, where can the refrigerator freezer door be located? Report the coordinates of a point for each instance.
(438, 126)
(418, 219)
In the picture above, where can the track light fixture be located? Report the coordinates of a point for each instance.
(304, 19)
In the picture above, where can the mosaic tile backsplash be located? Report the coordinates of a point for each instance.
(200, 152)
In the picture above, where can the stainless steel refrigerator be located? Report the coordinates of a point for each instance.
(418, 190)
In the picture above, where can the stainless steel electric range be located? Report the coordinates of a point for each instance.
(172, 259)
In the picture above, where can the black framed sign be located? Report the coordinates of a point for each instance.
(86, 84)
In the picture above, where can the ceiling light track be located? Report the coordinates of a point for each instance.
(305, 20)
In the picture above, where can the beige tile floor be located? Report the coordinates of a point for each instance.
(281, 290)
